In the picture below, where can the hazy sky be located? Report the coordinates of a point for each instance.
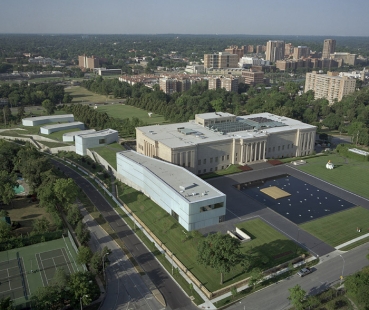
(266, 17)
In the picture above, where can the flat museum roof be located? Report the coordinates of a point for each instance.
(100, 133)
(75, 133)
(39, 118)
(61, 125)
(178, 178)
(171, 137)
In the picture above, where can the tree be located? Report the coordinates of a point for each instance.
(6, 303)
(66, 191)
(20, 114)
(82, 285)
(233, 291)
(40, 225)
(84, 255)
(4, 231)
(48, 106)
(313, 301)
(60, 278)
(99, 258)
(73, 215)
(255, 276)
(83, 234)
(297, 295)
(221, 252)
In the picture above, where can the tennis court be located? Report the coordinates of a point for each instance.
(24, 269)
(13, 280)
(49, 261)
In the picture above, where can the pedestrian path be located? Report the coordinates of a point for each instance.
(351, 241)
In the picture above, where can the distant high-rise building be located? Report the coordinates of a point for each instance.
(301, 51)
(174, 85)
(260, 49)
(221, 60)
(253, 77)
(288, 49)
(329, 86)
(88, 62)
(329, 47)
(233, 49)
(274, 50)
(229, 83)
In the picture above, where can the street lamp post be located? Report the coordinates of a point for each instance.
(343, 268)
(80, 300)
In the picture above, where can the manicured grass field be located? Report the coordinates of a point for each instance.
(184, 244)
(109, 153)
(348, 173)
(268, 242)
(119, 110)
(340, 227)
(81, 94)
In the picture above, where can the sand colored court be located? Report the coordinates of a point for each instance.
(275, 192)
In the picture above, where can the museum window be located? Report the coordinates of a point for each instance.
(223, 158)
(222, 167)
(279, 148)
(216, 159)
(101, 141)
(227, 157)
(211, 169)
(211, 159)
(288, 146)
(216, 168)
(268, 150)
(204, 170)
(282, 147)
(199, 162)
(175, 215)
(218, 205)
(204, 161)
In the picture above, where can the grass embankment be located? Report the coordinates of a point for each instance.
(109, 153)
(340, 227)
(268, 243)
(348, 173)
(230, 170)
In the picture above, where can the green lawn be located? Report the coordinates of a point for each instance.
(183, 244)
(230, 170)
(268, 242)
(348, 173)
(119, 110)
(81, 94)
(340, 227)
(109, 153)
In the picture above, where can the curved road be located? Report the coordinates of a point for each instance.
(173, 294)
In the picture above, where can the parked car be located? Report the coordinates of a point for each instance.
(304, 271)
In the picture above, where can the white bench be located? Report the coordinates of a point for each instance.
(245, 237)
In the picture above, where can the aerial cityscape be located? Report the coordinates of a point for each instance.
(156, 155)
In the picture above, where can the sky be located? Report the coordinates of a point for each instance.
(255, 17)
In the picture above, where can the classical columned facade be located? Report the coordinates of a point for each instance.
(252, 151)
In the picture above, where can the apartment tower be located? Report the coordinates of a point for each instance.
(329, 47)
(274, 50)
(329, 86)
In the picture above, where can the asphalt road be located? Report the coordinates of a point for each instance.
(126, 288)
(274, 297)
(173, 294)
